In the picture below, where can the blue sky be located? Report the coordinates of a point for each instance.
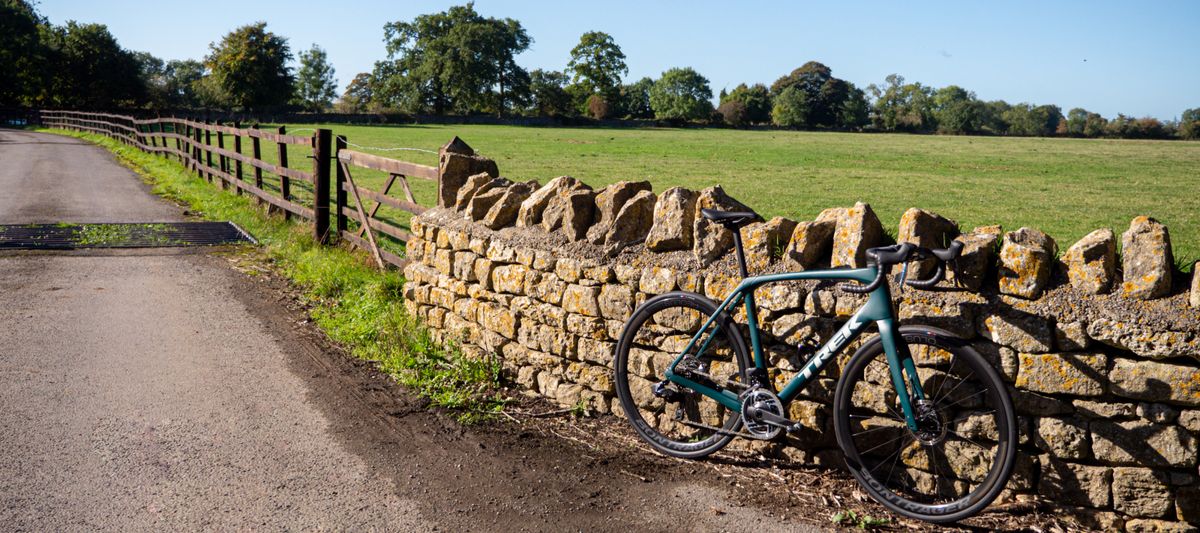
(1137, 58)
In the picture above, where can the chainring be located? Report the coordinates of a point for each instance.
(763, 400)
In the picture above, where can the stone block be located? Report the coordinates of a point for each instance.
(1092, 262)
(976, 259)
(1071, 336)
(1064, 438)
(765, 242)
(453, 171)
(674, 214)
(778, 297)
(498, 319)
(1137, 442)
(1024, 333)
(958, 318)
(718, 286)
(1026, 261)
(1077, 373)
(1144, 340)
(581, 300)
(569, 270)
(503, 212)
(1150, 525)
(711, 240)
(476, 184)
(1147, 262)
(609, 202)
(1104, 410)
(532, 209)
(616, 301)
(1075, 484)
(509, 279)
(811, 243)
(1156, 381)
(1141, 492)
(1194, 296)
(857, 230)
(657, 280)
(632, 222)
(924, 228)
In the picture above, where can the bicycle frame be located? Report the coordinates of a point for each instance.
(878, 309)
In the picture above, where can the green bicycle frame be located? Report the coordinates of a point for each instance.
(878, 309)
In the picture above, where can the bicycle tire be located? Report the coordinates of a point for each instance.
(642, 411)
(907, 491)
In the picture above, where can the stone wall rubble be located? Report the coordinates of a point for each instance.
(1101, 346)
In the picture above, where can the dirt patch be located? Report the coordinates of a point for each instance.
(527, 471)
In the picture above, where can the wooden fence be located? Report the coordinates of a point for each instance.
(267, 174)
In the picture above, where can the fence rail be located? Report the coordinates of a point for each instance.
(201, 147)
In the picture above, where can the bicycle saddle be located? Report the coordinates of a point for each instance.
(729, 219)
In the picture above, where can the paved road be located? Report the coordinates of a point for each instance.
(161, 389)
(139, 392)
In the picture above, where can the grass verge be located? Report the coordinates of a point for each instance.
(356, 305)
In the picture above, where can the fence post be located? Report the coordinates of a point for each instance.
(222, 161)
(321, 153)
(339, 185)
(256, 146)
(208, 166)
(237, 147)
(285, 183)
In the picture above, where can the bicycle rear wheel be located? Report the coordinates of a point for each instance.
(962, 454)
(675, 421)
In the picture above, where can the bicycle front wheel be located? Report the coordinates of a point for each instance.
(676, 421)
(961, 455)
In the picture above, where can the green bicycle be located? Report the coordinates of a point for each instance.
(925, 423)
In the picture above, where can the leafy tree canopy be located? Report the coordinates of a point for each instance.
(597, 64)
(249, 67)
(455, 60)
(681, 94)
(315, 86)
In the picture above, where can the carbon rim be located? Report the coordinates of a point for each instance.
(694, 425)
(961, 455)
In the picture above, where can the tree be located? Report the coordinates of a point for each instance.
(957, 111)
(855, 110)
(903, 106)
(1189, 124)
(249, 67)
(681, 94)
(1076, 120)
(20, 50)
(548, 93)
(359, 94)
(597, 65)
(1095, 125)
(455, 60)
(733, 113)
(791, 108)
(598, 107)
(152, 72)
(635, 99)
(181, 80)
(315, 86)
(89, 69)
(756, 99)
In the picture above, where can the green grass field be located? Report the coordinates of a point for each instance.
(1066, 187)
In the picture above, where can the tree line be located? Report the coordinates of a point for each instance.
(82, 66)
(458, 62)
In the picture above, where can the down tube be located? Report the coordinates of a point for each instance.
(889, 337)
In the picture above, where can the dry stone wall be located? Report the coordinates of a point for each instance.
(1102, 349)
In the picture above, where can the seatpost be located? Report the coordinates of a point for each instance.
(741, 255)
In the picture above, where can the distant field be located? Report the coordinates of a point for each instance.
(1066, 187)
